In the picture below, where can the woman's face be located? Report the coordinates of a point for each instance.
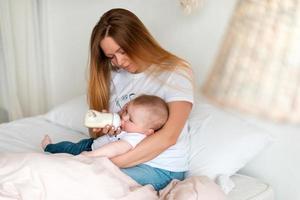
(117, 55)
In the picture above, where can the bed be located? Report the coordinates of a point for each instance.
(221, 144)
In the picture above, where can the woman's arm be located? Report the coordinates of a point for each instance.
(153, 145)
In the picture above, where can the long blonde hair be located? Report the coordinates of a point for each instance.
(133, 37)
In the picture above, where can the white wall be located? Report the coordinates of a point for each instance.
(195, 38)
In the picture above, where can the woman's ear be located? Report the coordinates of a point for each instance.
(149, 132)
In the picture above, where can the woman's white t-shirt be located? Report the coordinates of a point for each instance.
(170, 86)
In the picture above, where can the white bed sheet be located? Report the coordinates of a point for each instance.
(25, 135)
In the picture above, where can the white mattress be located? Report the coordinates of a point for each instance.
(26, 134)
(248, 188)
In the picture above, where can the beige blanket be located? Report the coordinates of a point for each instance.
(36, 176)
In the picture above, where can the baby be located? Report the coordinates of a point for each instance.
(140, 118)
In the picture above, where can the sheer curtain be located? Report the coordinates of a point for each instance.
(23, 75)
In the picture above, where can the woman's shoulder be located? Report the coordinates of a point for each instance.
(186, 70)
(181, 73)
(163, 70)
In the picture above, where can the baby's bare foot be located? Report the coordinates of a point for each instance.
(46, 141)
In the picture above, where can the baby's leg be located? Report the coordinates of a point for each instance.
(68, 147)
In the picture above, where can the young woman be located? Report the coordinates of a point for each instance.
(126, 61)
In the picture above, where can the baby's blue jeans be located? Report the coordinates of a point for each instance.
(142, 174)
(70, 147)
(158, 178)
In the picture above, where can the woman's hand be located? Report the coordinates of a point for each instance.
(108, 129)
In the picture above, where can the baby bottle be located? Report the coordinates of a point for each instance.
(95, 119)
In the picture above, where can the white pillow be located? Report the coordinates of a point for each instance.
(222, 143)
(70, 114)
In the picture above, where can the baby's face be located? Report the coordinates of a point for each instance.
(133, 118)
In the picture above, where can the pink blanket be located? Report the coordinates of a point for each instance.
(36, 176)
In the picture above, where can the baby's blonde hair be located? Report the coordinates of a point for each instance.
(155, 108)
